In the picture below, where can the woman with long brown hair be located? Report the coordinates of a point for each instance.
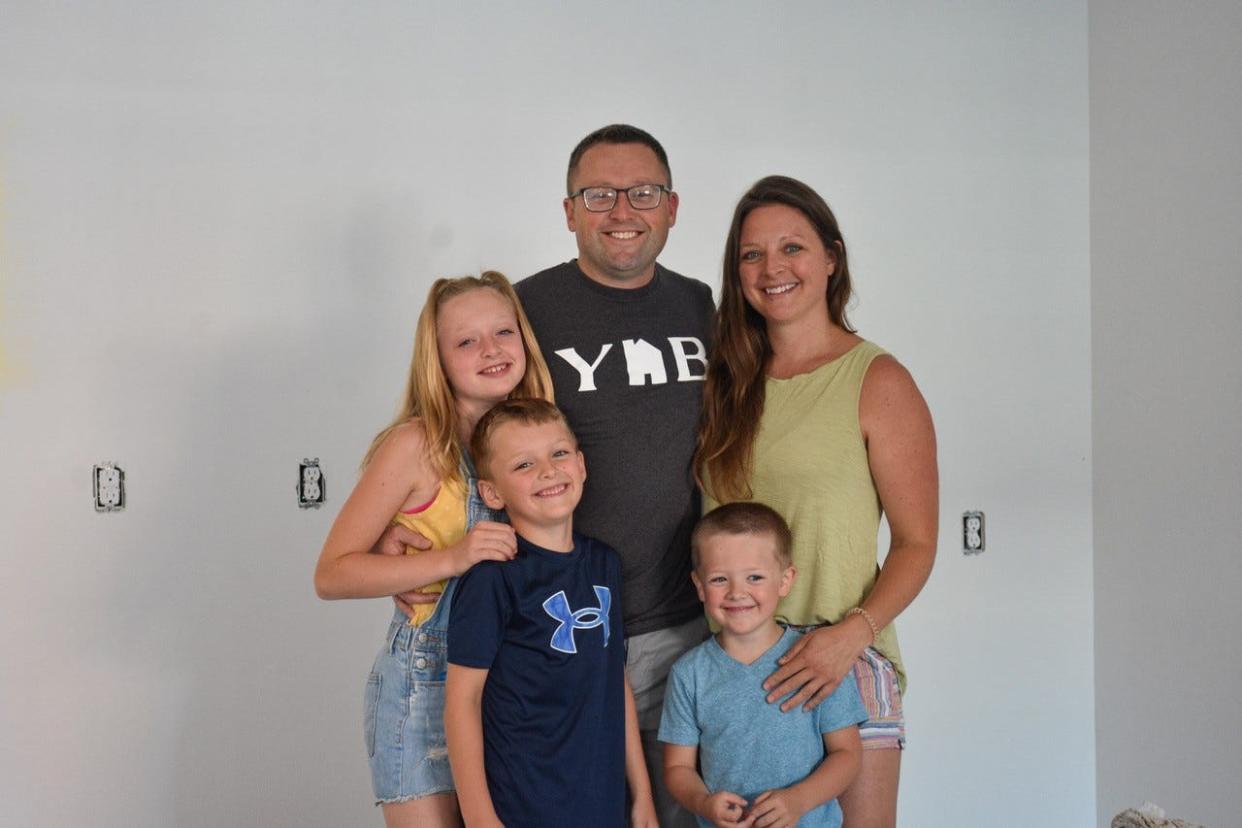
(803, 414)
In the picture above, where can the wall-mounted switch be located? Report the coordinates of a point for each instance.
(973, 538)
(310, 487)
(109, 486)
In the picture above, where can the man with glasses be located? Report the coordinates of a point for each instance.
(626, 341)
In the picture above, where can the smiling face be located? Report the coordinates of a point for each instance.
(740, 580)
(534, 472)
(480, 348)
(618, 247)
(783, 266)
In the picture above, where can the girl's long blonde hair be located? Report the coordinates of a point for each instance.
(428, 394)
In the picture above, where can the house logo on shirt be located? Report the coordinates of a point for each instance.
(644, 362)
(586, 618)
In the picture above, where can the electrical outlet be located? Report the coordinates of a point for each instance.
(109, 485)
(311, 491)
(973, 538)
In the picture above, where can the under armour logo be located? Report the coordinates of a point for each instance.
(584, 619)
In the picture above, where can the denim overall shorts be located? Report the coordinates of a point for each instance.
(403, 709)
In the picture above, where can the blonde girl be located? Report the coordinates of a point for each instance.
(472, 348)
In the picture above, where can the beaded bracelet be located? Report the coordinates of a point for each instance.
(875, 631)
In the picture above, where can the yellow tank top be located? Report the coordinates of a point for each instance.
(443, 522)
(810, 465)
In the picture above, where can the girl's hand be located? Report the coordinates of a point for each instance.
(776, 809)
(487, 541)
(816, 664)
(726, 810)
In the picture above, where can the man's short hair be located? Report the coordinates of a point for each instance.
(743, 519)
(617, 134)
(526, 410)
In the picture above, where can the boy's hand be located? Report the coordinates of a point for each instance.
(727, 810)
(776, 809)
(487, 541)
(643, 814)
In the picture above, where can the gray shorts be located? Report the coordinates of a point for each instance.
(648, 659)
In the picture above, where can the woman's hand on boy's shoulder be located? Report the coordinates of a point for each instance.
(814, 666)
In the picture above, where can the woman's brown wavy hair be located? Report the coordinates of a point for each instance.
(734, 393)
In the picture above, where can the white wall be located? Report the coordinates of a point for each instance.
(1166, 281)
(219, 221)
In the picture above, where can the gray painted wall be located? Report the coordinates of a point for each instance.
(1166, 324)
(220, 219)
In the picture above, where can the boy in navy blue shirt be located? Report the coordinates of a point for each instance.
(541, 724)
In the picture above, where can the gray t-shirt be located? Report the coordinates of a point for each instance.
(628, 368)
(746, 745)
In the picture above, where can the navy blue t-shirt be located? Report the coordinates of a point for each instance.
(547, 627)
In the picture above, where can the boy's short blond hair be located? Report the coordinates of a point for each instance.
(743, 519)
(526, 410)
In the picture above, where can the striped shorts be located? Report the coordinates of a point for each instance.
(885, 728)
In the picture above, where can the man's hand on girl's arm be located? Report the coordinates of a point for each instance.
(393, 542)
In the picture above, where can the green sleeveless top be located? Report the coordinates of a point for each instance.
(810, 465)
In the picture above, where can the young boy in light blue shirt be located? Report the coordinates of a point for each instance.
(760, 766)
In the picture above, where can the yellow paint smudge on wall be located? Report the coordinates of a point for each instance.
(4, 362)
(6, 367)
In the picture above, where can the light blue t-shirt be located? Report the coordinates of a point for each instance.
(746, 745)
